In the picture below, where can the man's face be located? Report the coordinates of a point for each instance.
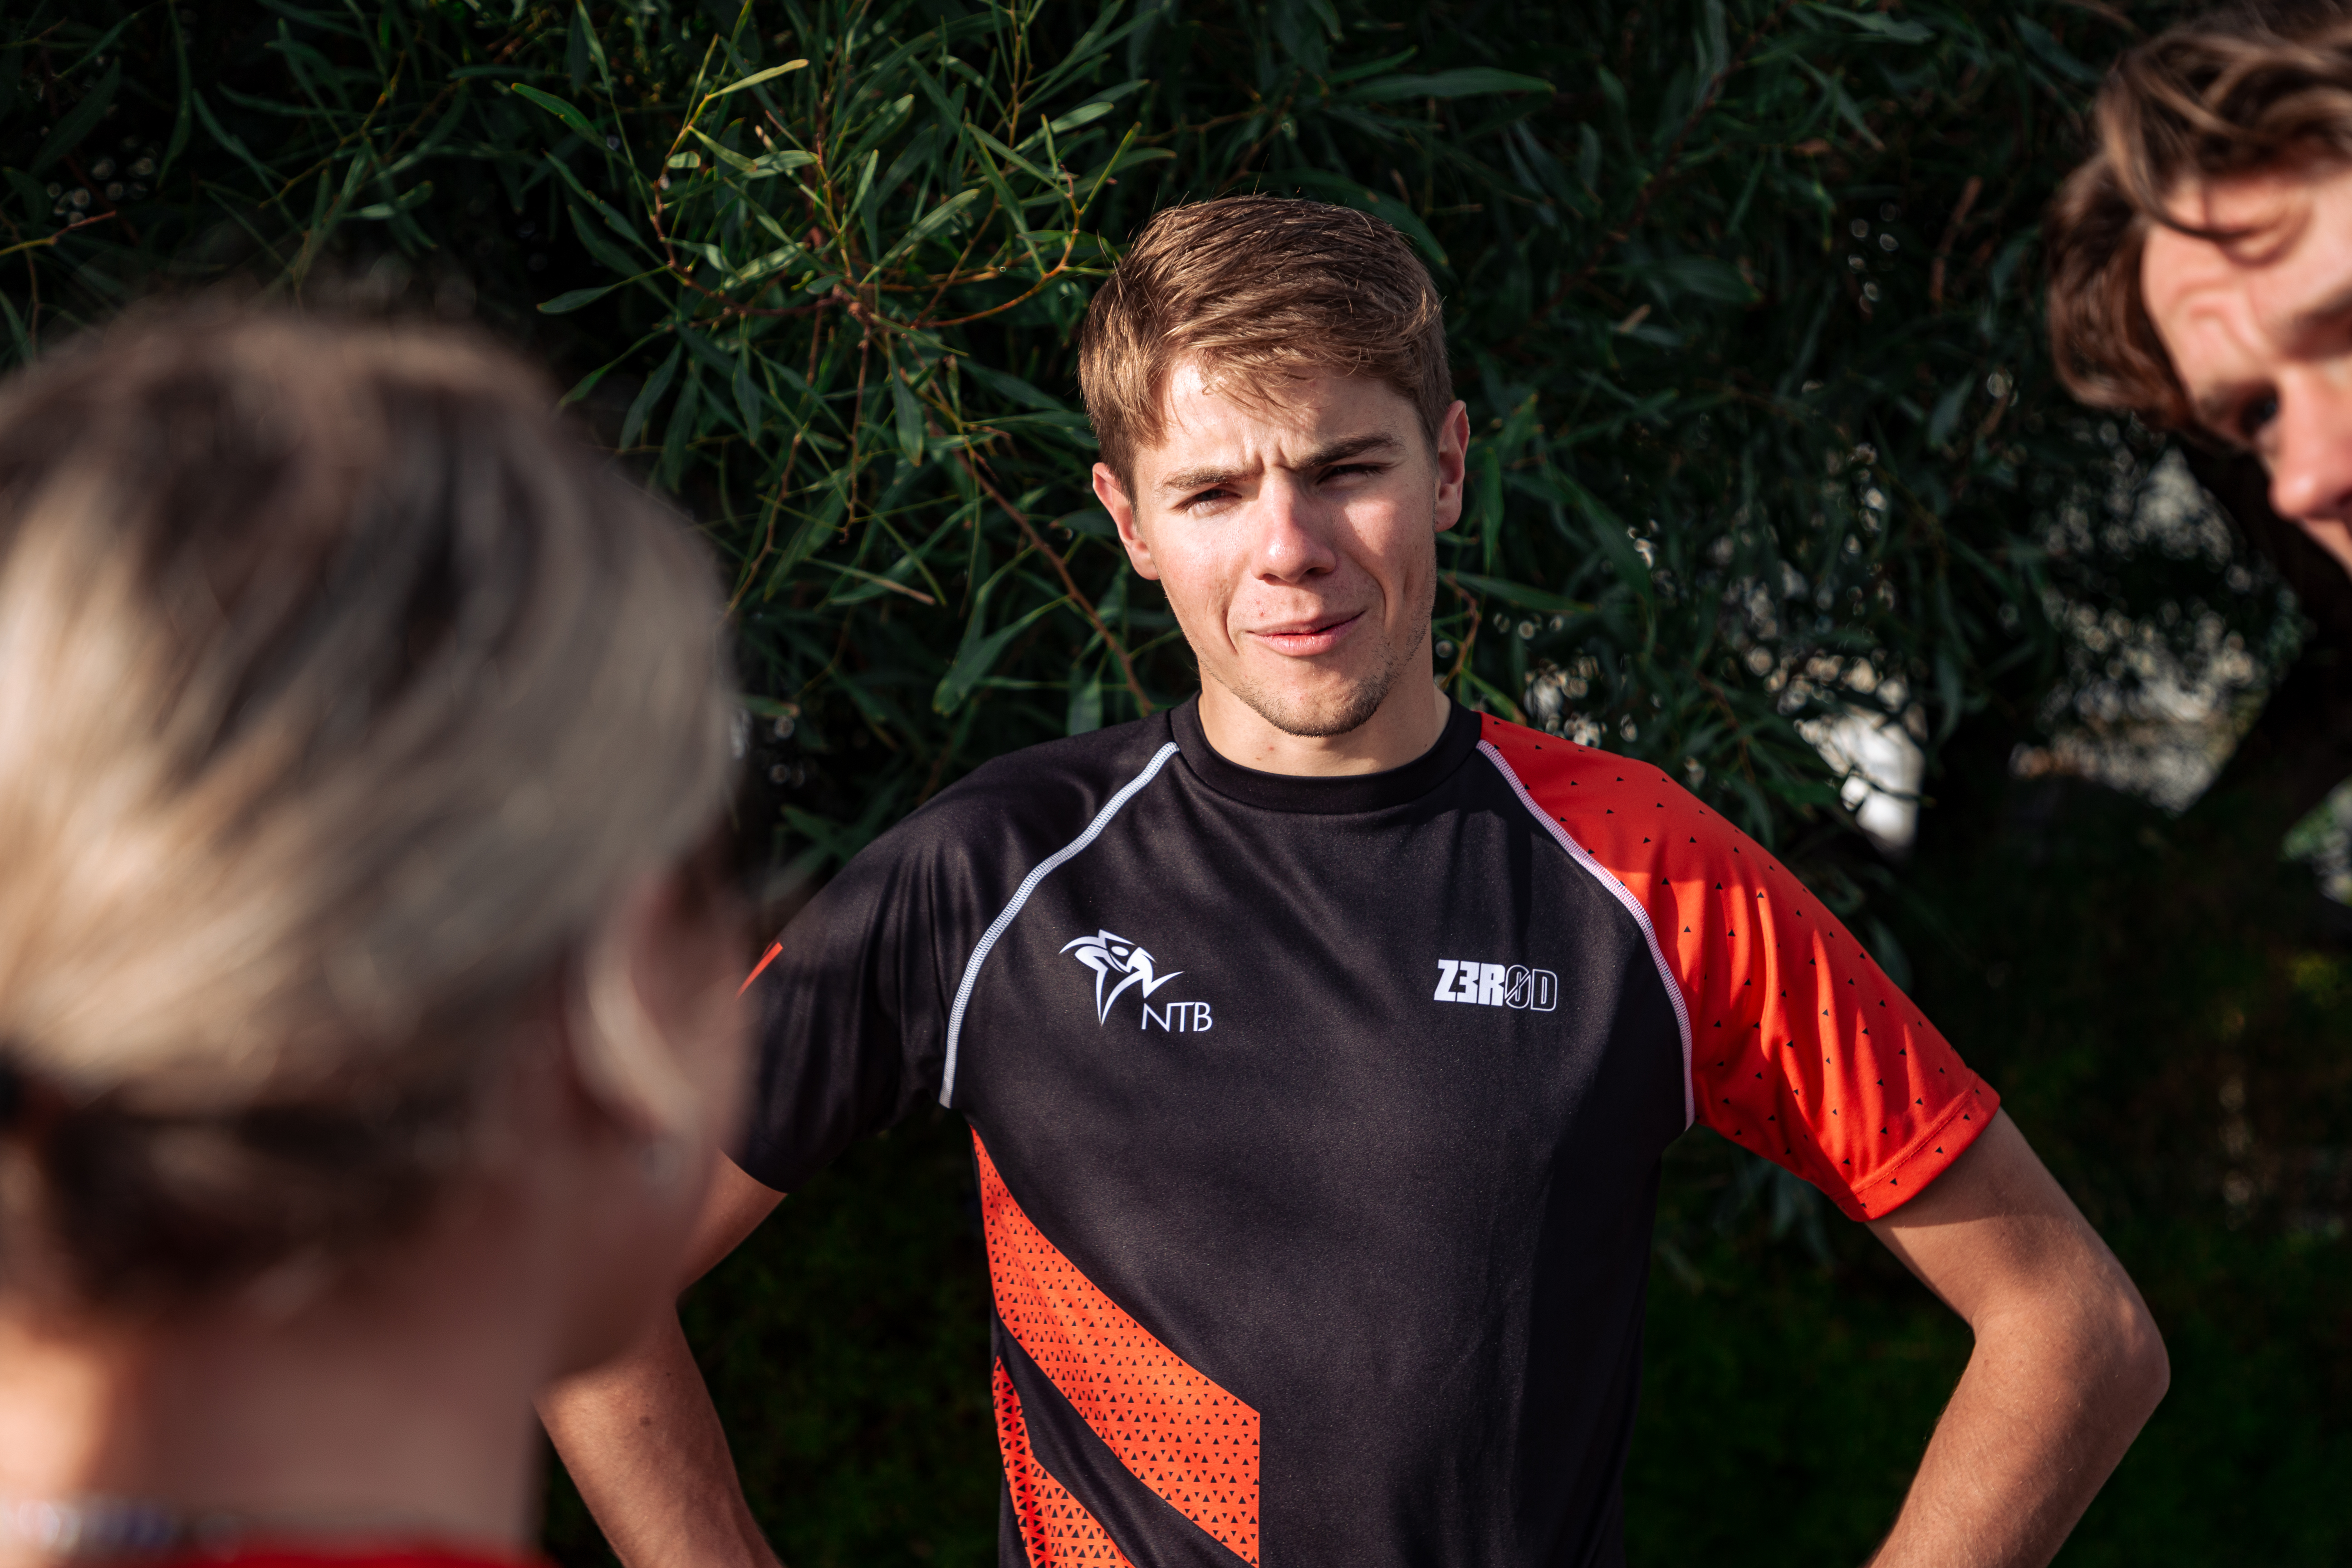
(1295, 536)
(2260, 331)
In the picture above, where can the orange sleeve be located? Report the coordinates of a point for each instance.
(1798, 1047)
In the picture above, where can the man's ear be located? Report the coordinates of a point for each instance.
(1116, 501)
(1453, 463)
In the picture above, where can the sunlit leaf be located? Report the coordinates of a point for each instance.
(756, 77)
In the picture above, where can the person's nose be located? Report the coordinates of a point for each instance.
(2311, 465)
(1292, 542)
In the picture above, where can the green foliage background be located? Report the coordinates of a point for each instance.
(1742, 294)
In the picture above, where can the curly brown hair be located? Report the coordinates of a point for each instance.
(2254, 87)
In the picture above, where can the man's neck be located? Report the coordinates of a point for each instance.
(1408, 722)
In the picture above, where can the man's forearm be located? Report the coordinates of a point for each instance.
(2067, 1367)
(644, 1444)
(2042, 1416)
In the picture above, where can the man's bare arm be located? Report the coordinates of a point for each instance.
(641, 1438)
(2067, 1365)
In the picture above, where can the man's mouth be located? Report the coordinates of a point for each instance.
(1306, 638)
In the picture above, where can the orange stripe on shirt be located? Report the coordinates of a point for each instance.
(1056, 1527)
(1177, 1431)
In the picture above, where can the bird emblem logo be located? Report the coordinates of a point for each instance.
(1113, 957)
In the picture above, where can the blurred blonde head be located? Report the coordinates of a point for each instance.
(341, 695)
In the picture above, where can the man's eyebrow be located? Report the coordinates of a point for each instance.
(2312, 318)
(1353, 447)
(1321, 457)
(1199, 479)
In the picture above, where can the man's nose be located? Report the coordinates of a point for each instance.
(1293, 541)
(2310, 466)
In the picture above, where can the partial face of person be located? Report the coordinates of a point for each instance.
(1295, 531)
(2260, 331)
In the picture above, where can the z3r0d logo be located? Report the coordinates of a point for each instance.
(1119, 964)
(1496, 986)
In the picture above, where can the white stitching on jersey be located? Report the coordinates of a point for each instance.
(1625, 897)
(1029, 886)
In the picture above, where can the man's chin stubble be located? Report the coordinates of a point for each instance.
(1344, 714)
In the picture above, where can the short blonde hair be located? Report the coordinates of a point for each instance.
(1259, 287)
(340, 691)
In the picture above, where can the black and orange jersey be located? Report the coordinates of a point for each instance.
(1317, 1120)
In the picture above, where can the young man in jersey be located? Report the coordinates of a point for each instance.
(2202, 261)
(1320, 1037)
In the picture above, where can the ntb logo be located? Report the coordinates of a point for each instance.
(1496, 986)
(1119, 965)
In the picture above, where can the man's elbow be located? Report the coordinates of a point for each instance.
(2118, 1354)
(2142, 1367)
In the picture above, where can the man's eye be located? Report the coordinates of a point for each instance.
(2256, 414)
(1347, 469)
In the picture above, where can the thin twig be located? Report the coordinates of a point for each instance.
(58, 235)
(1968, 194)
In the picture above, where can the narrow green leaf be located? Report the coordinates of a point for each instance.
(1488, 494)
(563, 304)
(685, 424)
(1469, 81)
(182, 116)
(79, 120)
(219, 133)
(733, 159)
(2051, 52)
(562, 111)
(605, 209)
(593, 43)
(979, 655)
(1702, 276)
(1008, 385)
(596, 245)
(1370, 67)
(747, 394)
(909, 412)
(650, 397)
(756, 77)
(1092, 521)
(1949, 408)
(1085, 713)
(930, 224)
(415, 196)
(1890, 28)
(1519, 594)
(1015, 159)
(577, 61)
(1083, 114)
(17, 337)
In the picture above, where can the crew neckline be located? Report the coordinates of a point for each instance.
(1320, 793)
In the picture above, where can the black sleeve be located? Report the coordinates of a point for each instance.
(852, 1012)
